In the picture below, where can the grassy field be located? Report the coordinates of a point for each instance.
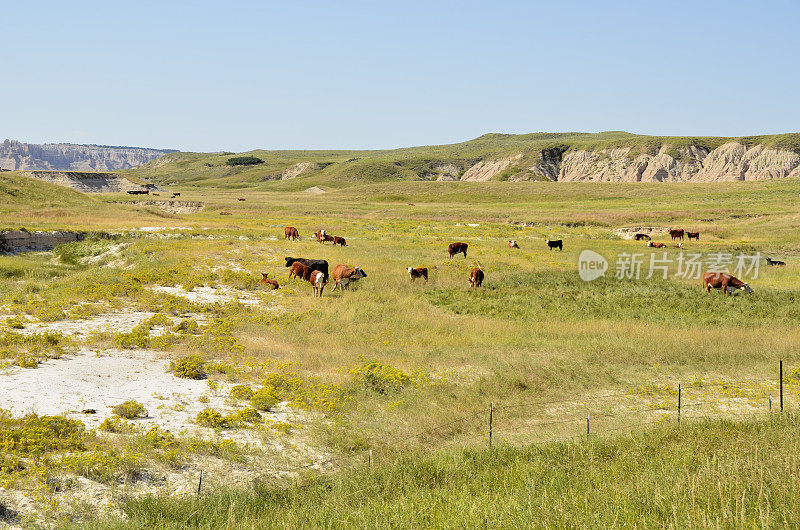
(705, 475)
(389, 361)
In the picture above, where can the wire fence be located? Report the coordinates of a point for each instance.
(611, 413)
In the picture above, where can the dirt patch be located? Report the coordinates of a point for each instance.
(629, 232)
(105, 323)
(315, 189)
(176, 207)
(209, 295)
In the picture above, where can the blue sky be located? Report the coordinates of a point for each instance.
(239, 75)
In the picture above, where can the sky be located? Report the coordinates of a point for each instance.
(241, 75)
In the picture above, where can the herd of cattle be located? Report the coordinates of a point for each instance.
(315, 271)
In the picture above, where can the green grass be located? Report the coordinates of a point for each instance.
(700, 475)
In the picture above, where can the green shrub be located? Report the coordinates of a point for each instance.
(159, 439)
(188, 327)
(244, 161)
(189, 367)
(264, 399)
(246, 415)
(15, 323)
(159, 319)
(211, 418)
(242, 392)
(130, 410)
(381, 378)
(117, 425)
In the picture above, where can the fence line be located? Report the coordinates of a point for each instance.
(494, 427)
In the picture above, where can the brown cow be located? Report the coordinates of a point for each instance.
(318, 282)
(240, 199)
(513, 244)
(693, 235)
(339, 241)
(724, 281)
(419, 272)
(268, 281)
(291, 232)
(300, 270)
(656, 244)
(343, 275)
(676, 233)
(476, 277)
(455, 248)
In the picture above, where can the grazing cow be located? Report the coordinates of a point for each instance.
(419, 272)
(300, 270)
(455, 248)
(316, 264)
(318, 282)
(343, 275)
(320, 235)
(225, 213)
(291, 232)
(724, 281)
(476, 277)
(513, 244)
(771, 261)
(693, 235)
(641, 237)
(339, 241)
(176, 194)
(555, 243)
(156, 194)
(268, 281)
(240, 199)
(656, 244)
(138, 192)
(676, 233)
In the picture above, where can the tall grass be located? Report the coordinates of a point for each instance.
(699, 475)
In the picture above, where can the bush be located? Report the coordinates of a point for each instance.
(116, 425)
(188, 327)
(15, 322)
(242, 392)
(159, 319)
(264, 399)
(189, 367)
(382, 378)
(244, 161)
(130, 410)
(247, 415)
(211, 418)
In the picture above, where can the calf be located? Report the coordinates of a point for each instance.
(641, 237)
(693, 235)
(419, 272)
(339, 241)
(656, 244)
(291, 232)
(318, 282)
(676, 233)
(300, 270)
(724, 281)
(513, 244)
(316, 264)
(343, 275)
(476, 277)
(268, 281)
(455, 248)
(771, 261)
(555, 243)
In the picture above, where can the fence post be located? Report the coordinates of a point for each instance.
(587, 424)
(200, 483)
(679, 403)
(369, 459)
(491, 419)
(780, 374)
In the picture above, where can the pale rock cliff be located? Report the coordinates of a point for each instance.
(18, 155)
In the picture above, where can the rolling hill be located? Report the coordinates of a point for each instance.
(608, 156)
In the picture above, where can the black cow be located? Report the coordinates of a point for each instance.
(771, 261)
(555, 243)
(320, 265)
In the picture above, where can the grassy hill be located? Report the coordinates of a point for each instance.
(344, 168)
